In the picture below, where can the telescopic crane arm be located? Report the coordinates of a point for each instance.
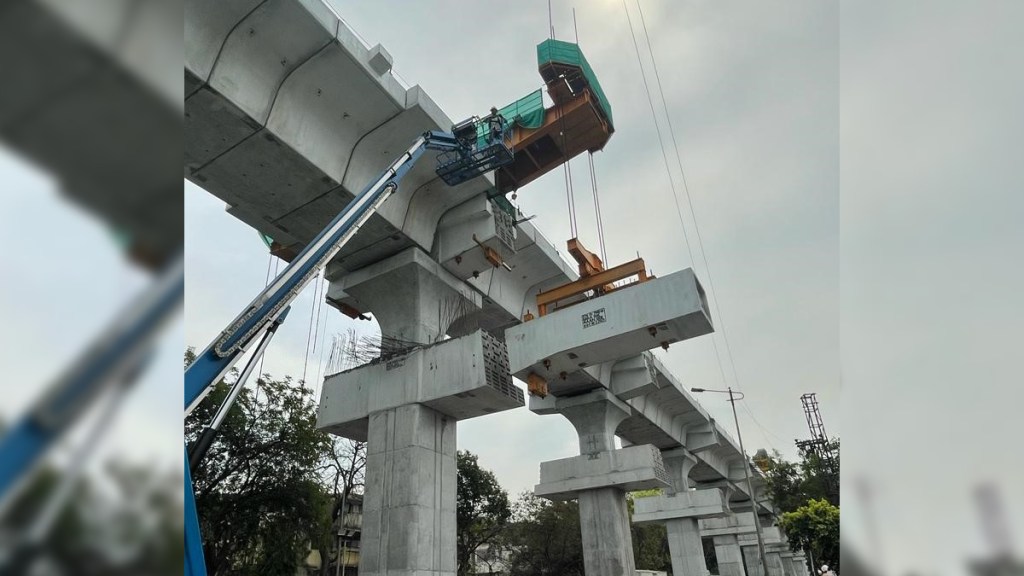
(471, 149)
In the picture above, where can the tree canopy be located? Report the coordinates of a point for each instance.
(815, 528)
(482, 511)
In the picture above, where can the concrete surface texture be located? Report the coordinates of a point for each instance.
(86, 104)
(729, 555)
(461, 378)
(628, 469)
(287, 116)
(409, 505)
(685, 546)
(606, 538)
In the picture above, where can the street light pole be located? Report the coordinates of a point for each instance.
(746, 473)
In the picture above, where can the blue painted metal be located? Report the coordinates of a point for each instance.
(115, 358)
(195, 563)
(210, 366)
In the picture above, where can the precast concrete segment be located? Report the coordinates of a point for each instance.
(409, 506)
(625, 469)
(678, 462)
(787, 563)
(624, 323)
(734, 525)
(729, 556)
(686, 547)
(412, 297)
(595, 416)
(460, 378)
(800, 564)
(509, 295)
(704, 503)
(288, 114)
(753, 561)
(86, 85)
(775, 566)
(606, 537)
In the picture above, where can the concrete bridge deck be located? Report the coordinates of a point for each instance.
(289, 113)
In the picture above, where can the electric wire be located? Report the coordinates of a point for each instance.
(657, 127)
(597, 209)
(700, 243)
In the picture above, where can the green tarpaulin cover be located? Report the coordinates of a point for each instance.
(559, 52)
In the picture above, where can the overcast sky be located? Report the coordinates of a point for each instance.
(752, 94)
(930, 217)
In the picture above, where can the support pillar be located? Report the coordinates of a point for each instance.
(752, 560)
(406, 407)
(788, 566)
(686, 548)
(730, 557)
(599, 479)
(604, 517)
(775, 563)
(409, 505)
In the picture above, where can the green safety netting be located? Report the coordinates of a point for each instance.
(501, 202)
(559, 52)
(527, 112)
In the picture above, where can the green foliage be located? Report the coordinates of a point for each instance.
(258, 493)
(547, 538)
(482, 511)
(792, 485)
(815, 528)
(650, 541)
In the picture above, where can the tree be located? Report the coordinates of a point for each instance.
(650, 541)
(792, 485)
(259, 496)
(343, 473)
(482, 510)
(815, 528)
(546, 537)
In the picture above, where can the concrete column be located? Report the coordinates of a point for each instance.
(787, 564)
(753, 561)
(409, 506)
(730, 557)
(685, 547)
(775, 563)
(604, 517)
(800, 564)
(607, 540)
(684, 541)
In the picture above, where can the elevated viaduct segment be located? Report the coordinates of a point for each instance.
(288, 113)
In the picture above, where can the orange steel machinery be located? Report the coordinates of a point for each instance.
(579, 120)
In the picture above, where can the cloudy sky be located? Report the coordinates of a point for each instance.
(752, 94)
(924, 243)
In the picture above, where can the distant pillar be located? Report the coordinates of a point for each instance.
(729, 555)
(753, 560)
(775, 563)
(599, 479)
(685, 546)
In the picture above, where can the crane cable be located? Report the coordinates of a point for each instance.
(711, 289)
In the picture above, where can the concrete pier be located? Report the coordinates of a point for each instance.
(406, 406)
(681, 509)
(409, 505)
(730, 557)
(599, 479)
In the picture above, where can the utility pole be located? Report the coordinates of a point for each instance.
(746, 473)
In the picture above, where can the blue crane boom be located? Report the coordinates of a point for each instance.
(472, 148)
